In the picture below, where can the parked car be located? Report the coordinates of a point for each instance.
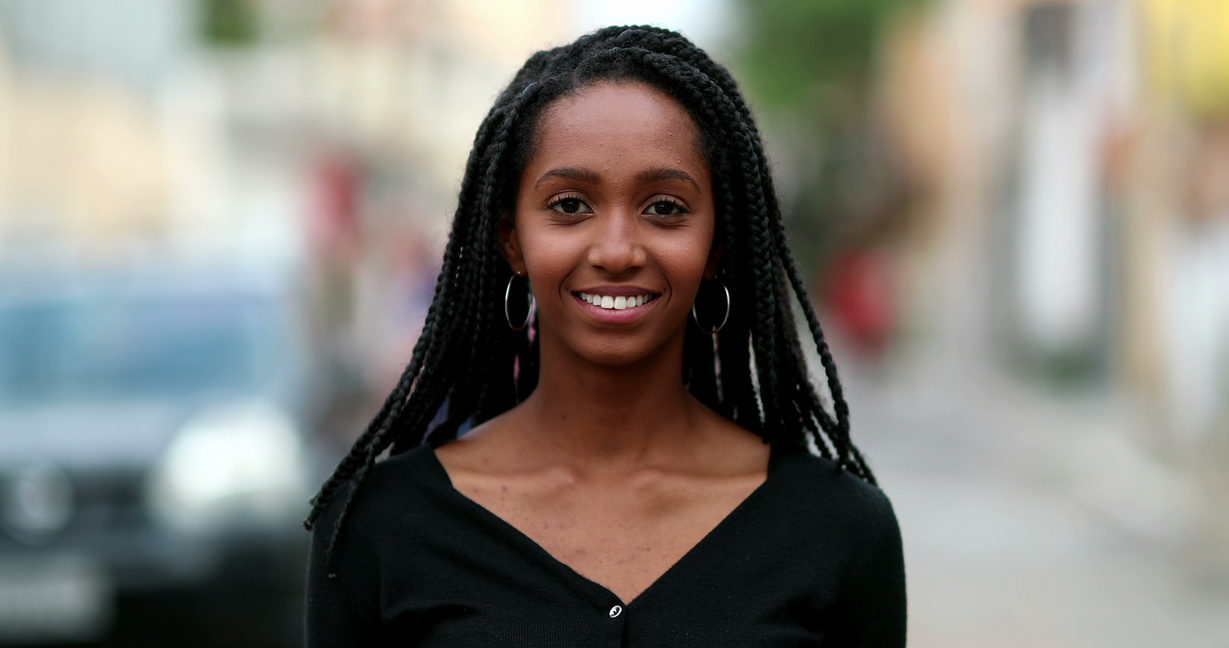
(155, 453)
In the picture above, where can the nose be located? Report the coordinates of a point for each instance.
(616, 246)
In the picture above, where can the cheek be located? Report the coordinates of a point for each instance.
(696, 246)
(548, 259)
(686, 259)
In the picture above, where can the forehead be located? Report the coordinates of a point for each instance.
(609, 121)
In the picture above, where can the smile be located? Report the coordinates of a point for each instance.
(616, 303)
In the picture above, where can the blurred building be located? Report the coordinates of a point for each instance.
(397, 90)
(325, 135)
(1072, 200)
(1066, 162)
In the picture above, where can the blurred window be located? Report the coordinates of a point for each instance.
(123, 346)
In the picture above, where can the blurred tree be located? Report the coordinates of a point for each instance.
(229, 23)
(795, 46)
(809, 67)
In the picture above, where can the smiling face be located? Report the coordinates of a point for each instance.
(614, 223)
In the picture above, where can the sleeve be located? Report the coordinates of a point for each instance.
(872, 603)
(335, 613)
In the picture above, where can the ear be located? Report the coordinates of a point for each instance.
(714, 261)
(509, 244)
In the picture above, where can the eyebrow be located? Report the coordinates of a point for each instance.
(589, 176)
(665, 173)
(570, 173)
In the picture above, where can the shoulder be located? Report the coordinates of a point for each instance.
(828, 499)
(847, 527)
(347, 571)
(820, 475)
(391, 490)
(850, 533)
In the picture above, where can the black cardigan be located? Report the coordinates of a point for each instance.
(811, 558)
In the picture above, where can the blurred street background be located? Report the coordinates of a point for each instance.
(220, 222)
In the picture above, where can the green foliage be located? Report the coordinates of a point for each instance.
(796, 46)
(229, 23)
(809, 65)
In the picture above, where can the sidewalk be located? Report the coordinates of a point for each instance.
(1030, 520)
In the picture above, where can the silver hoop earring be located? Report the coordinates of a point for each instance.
(529, 298)
(724, 318)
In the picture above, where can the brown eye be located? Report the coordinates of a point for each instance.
(570, 205)
(665, 208)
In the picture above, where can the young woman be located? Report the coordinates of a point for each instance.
(638, 472)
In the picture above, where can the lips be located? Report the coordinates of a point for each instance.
(616, 302)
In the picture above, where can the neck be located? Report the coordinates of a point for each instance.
(611, 415)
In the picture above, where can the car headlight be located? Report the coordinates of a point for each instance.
(239, 466)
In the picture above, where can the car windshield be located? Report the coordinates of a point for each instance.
(87, 346)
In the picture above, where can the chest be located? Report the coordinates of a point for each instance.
(624, 538)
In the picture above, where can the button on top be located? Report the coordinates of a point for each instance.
(616, 611)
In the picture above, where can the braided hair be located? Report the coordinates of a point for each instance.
(753, 371)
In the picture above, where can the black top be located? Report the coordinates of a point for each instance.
(811, 558)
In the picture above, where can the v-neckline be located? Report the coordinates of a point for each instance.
(549, 559)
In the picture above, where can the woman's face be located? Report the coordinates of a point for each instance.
(614, 223)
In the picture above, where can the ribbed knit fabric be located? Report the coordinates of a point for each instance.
(811, 558)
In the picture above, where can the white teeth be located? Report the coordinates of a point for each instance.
(615, 303)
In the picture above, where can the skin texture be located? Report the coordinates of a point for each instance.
(611, 465)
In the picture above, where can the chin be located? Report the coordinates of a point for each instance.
(627, 353)
(649, 346)
(613, 358)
